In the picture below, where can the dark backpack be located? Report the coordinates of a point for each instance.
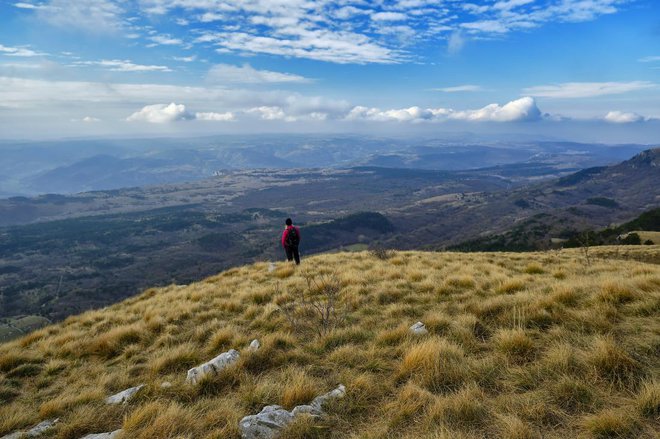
(292, 238)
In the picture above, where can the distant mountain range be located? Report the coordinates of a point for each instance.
(61, 254)
(67, 167)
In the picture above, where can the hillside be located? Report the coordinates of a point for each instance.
(93, 249)
(534, 232)
(593, 198)
(518, 346)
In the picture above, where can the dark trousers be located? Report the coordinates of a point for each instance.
(292, 253)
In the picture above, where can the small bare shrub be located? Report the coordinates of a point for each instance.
(381, 253)
(315, 308)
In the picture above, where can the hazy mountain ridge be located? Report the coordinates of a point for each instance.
(89, 165)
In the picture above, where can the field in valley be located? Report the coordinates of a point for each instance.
(519, 345)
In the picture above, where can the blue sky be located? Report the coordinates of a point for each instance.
(575, 69)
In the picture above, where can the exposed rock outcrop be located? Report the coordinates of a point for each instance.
(124, 395)
(254, 345)
(212, 367)
(419, 329)
(268, 423)
(109, 435)
(35, 431)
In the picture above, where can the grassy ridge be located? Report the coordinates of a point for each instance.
(519, 346)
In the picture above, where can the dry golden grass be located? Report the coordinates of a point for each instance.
(534, 345)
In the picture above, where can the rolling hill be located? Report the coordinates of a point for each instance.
(88, 250)
(516, 346)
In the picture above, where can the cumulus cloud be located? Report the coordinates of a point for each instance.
(167, 113)
(271, 113)
(520, 110)
(161, 113)
(623, 117)
(90, 119)
(246, 74)
(523, 109)
(586, 89)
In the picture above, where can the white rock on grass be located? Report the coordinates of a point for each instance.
(254, 345)
(268, 423)
(123, 396)
(419, 329)
(166, 385)
(35, 431)
(271, 267)
(109, 435)
(212, 367)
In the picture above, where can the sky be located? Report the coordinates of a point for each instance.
(586, 70)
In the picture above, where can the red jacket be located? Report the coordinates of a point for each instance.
(286, 232)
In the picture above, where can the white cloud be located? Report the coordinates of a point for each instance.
(191, 58)
(161, 113)
(165, 40)
(586, 89)
(520, 110)
(459, 88)
(90, 119)
(523, 109)
(227, 73)
(271, 113)
(116, 65)
(357, 31)
(22, 5)
(455, 43)
(649, 59)
(623, 117)
(217, 117)
(333, 46)
(388, 16)
(18, 51)
(209, 17)
(94, 16)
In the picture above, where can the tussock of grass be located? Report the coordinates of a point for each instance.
(648, 400)
(519, 346)
(514, 343)
(436, 365)
(612, 424)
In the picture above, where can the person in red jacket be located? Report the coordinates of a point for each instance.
(290, 241)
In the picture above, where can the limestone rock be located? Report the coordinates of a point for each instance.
(166, 385)
(35, 431)
(419, 329)
(318, 402)
(265, 424)
(268, 423)
(254, 345)
(212, 367)
(123, 396)
(109, 435)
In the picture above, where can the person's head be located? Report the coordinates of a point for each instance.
(289, 222)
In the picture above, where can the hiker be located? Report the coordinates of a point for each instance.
(290, 241)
